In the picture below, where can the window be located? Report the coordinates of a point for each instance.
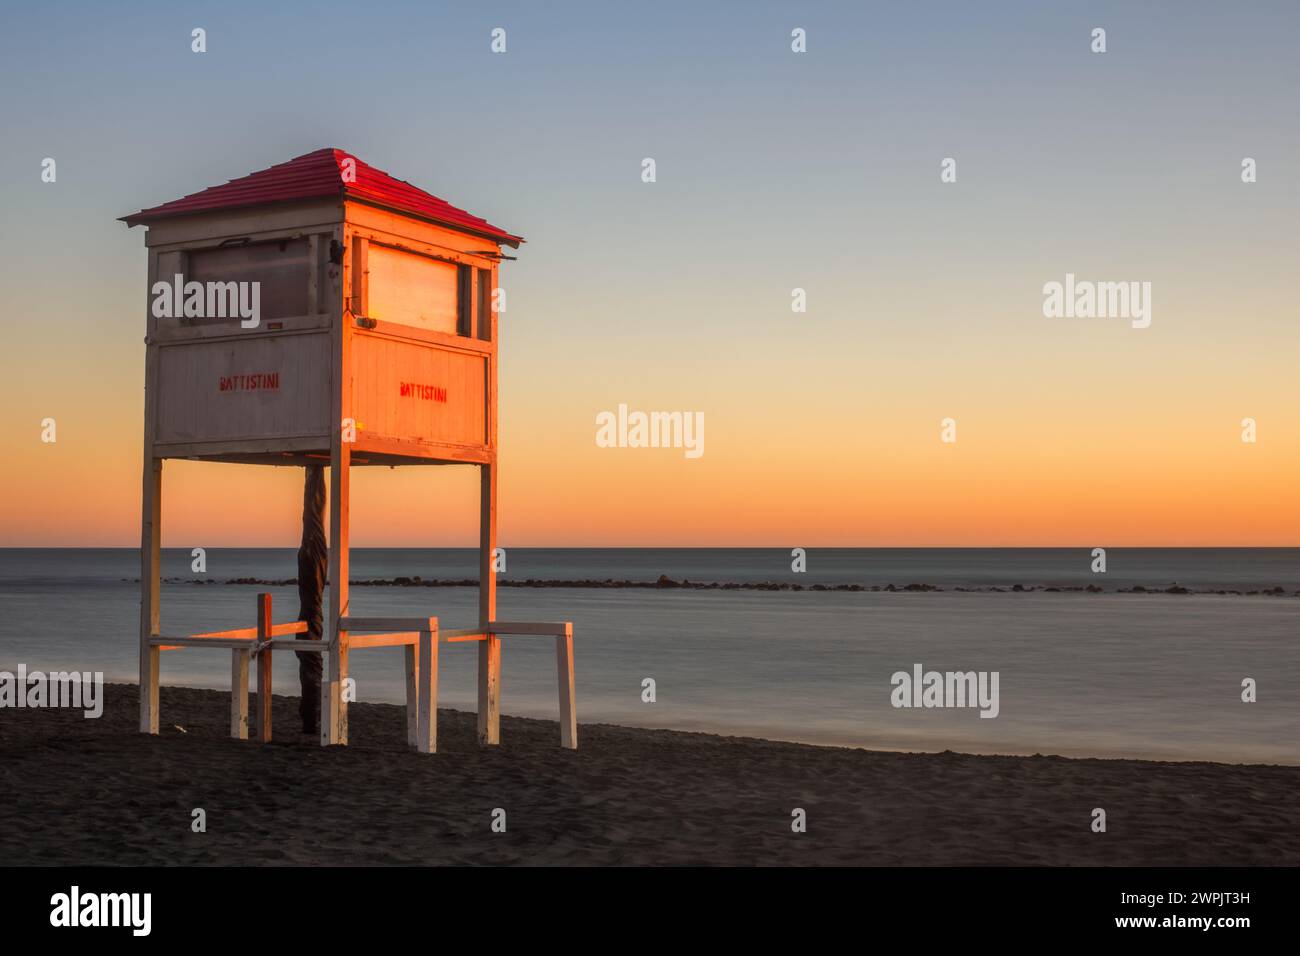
(485, 304)
(415, 290)
(465, 300)
(279, 268)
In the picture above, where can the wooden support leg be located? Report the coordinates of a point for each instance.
(489, 690)
(328, 722)
(239, 694)
(489, 649)
(334, 725)
(413, 695)
(264, 696)
(149, 660)
(150, 583)
(333, 702)
(428, 657)
(264, 670)
(568, 703)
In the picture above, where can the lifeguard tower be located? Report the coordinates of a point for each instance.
(321, 312)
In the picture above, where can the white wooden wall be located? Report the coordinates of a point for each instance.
(192, 407)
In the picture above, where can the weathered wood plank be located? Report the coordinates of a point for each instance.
(353, 624)
(279, 222)
(241, 389)
(150, 520)
(412, 289)
(382, 640)
(489, 649)
(165, 643)
(530, 627)
(407, 232)
(568, 697)
(334, 711)
(420, 451)
(420, 393)
(428, 692)
(239, 693)
(264, 670)
(237, 634)
(412, 655)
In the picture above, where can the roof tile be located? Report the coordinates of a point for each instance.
(320, 173)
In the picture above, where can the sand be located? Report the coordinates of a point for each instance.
(96, 792)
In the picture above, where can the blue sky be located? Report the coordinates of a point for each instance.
(775, 170)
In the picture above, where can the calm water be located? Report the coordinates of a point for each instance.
(1080, 674)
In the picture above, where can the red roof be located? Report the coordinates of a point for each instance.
(321, 174)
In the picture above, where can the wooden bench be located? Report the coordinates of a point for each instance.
(244, 644)
(420, 637)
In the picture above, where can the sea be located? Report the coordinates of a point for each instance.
(1112, 674)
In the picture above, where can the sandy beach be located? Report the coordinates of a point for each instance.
(80, 791)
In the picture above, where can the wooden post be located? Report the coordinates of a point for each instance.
(413, 695)
(239, 693)
(150, 583)
(334, 709)
(328, 723)
(489, 648)
(150, 525)
(568, 703)
(264, 670)
(427, 655)
(313, 571)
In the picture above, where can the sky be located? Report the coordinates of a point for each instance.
(775, 170)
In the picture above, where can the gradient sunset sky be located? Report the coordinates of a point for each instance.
(775, 171)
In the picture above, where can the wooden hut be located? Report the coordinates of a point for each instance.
(322, 312)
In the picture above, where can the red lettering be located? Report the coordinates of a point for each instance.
(249, 383)
(429, 393)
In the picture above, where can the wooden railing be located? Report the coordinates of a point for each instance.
(245, 644)
(420, 637)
